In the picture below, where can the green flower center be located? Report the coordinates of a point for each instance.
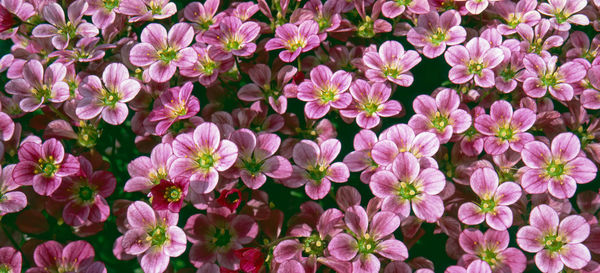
(44, 91)
(508, 73)
(317, 173)
(561, 17)
(470, 133)
(158, 235)
(158, 175)
(68, 30)
(110, 4)
(407, 191)
(208, 67)
(205, 24)
(296, 43)
(366, 244)
(88, 135)
(555, 169)
(313, 245)
(155, 7)
(437, 37)
(221, 237)
(233, 44)
(506, 175)
(370, 108)
(252, 166)
(489, 256)
(439, 122)
(5, 269)
(86, 194)
(553, 243)
(488, 205)
(110, 98)
(475, 67)
(323, 22)
(172, 194)
(205, 161)
(505, 133)
(167, 55)
(178, 110)
(47, 167)
(549, 80)
(366, 29)
(513, 21)
(391, 71)
(403, 2)
(328, 94)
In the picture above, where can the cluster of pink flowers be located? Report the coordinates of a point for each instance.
(301, 136)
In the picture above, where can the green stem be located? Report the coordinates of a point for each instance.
(58, 113)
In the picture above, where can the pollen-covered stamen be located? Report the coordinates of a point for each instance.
(207, 66)
(366, 29)
(155, 7)
(295, 43)
(475, 67)
(438, 36)
(158, 175)
(110, 4)
(489, 256)
(555, 169)
(371, 108)
(505, 132)
(553, 243)
(177, 110)
(172, 194)
(68, 30)
(392, 70)
(549, 79)
(167, 55)
(110, 98)
(234, 42)
(513, 21)
(440, 121)
(5, 269)
(407, 191)
(313, 245)
(317, 173)
(366, 244)
(206, 160)
(221, 237)
(488, 205)
(508, 73)
(158, 235)
(328, 94)
(47, 167)
(43, 91)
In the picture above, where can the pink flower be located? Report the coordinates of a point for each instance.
(202, 155)
(38, 86)
(44, 166)
(492, 248)
(315, 169)
(401, 138)
(257, 158)
(407, 185)
(147, 172)
(475, 60)
(61, 31)
(174, 105)
(493, 207)
(434, 31)
(556, 244)
(84, 194)
(360, 159)
(391, 63)
(325, 90)
(440, 116)
(370, 103)
(233, 37)
(76, 256)
(542, 75)
(215, 238)
(294, 39)
(364, 240)
(152, 236)
(563, 13)
(11, 200)
(534, 39)
(208, 66)
(10, 259)
(170, 194)
(202, 16)
(504, 128)
(514, 14)
(393, 9)
(478, 6)
(163, 52)
(261, 87)
(590, 98)
(147, 10)
(557, 170)
(103, 12)
(108, 99)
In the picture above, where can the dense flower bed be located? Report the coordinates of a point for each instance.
(300, 136)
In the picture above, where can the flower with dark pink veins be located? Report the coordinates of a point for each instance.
(391, 63)
(492, 248)
(153, 236)
(365, 239)
(76, 256)
(84, 194)
(440, 115)
(406, 185)
(44, 166)
(103, 12)
(162, 53)
(61, 31)
(504, 128)
(216, 238)
(10, 200)
(494, 200)
(590, 98)
(110, 98)
(542, 75)
(435, 31)
(38, 86)
(174, 105)
(514, 14)
(370, 103)
(202, 16)
(208, 66)
(294, 39)
(170, 194)
(261, 87)
(394, 8)
(360, 159)
(257, 158)
(202, 154)
(557, 169)
(233, 37)
(147, 10)
(314, 167)
(478, 6)
(555, 244)
(147, 172)
(475, 60)
(10, 260)
(563, 13)
(325, 90)
(402, 138)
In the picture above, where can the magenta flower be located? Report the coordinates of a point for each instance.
(174, 105)
(325, 90)
(556, 244)
(370, 103)
(262, 89)
(257, 158)
(164, 52)
(11, 200)
(494, 200)
(315, 169)
(401, 138)
(147, 10)
(360, 159)
(76, 256)
(108, 99)
(147, 172)
(215, 238)
(202, 16)
(84, 194)
(590, 98)
(393, 9)
(44, 166)
(475, 60)
(534, 39)
(61, 31)
(208, 66)
(294, 39)
(233, 37)
(563, 13)
(202, 155)
(103, 12)
(38, 86)
(504, 128)
(364, 240)
(10, 259)
(492, 248)
(542, 75)
(557, 170)
(152, 236)
(391, 63)
(170, 194)
(407, 185)
(434, 31)
(514, 14)
(440, 116)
